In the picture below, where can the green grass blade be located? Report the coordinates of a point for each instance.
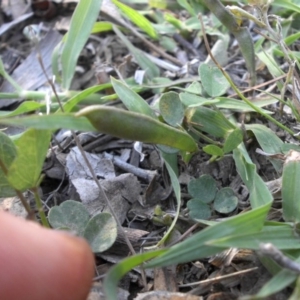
(197, 246)
(143, 61)
(51, 122)
(24, 107)
(72, 102)
(268, 141)
(83, 19)
(169, 162)
(187, 6)
(291, 188)
(287, 4)
(55, 62)
(208, 120)
(114, 275)
(137, 127)
(282, 237)
(279, 281)
(102, 27)
(133, 101)
(259, 193)
(138, 19)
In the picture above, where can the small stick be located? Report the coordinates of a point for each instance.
(218, 278)
(144, 174)
(272, 252)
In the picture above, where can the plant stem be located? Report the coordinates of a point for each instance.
(38, 96)
(39, 206)
(19, 194)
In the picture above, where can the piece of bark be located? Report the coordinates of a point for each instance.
(120, 247)
(165, 280)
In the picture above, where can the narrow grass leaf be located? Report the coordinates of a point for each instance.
(189, 99)
(102, 27)
(55, 62)
(233, 139)
(238, 105)
(282, 237)
(6, 76)
(187, 7)
(278, 282)
(291, 188)
(24, 107)
(266, 138)
(208, 120)
(287, 4)
(133, 101)
(268, 59)
(296, 292)
(137, 127)
(116, 273)
(143, 61)
(51, 122)
(244, 38)
(269, 142)
(72, 102)
(82, 22)
(170, 162)
(197, 246)
(259, 193)
(139, 20)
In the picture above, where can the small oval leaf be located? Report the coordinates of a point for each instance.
(171, 108)
(101, 232)
(226, 201)
(203, 188)
(233, 140)
(32, 147)
(213, 150)
(213, 81)
(198, 209)
(70, 214)
(133, 101)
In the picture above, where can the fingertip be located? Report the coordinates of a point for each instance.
(42, 263)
